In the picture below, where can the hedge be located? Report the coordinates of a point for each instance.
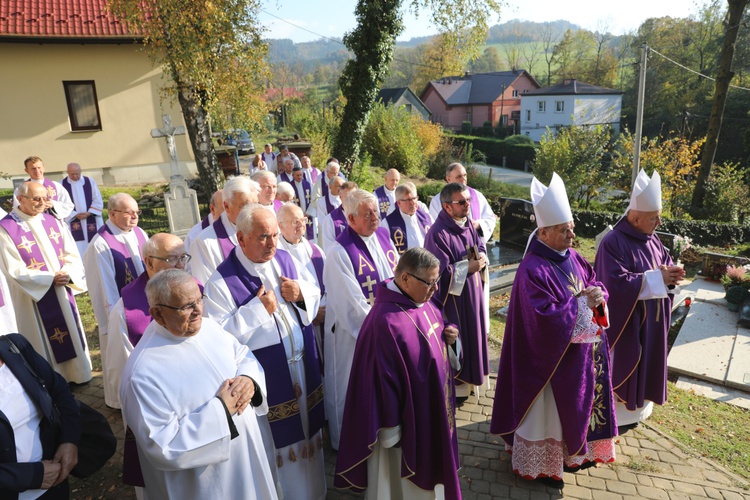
(495, 149)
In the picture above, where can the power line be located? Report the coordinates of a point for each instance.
(692, 70)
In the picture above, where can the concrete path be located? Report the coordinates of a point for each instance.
(507, 175)
(649, 465)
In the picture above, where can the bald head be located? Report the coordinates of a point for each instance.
(163, 251)
(392, 178)
(74, 171)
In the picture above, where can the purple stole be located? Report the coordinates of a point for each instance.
(397, 228)
(324, 189)
(384, 203)
(125, 271)
(283, 411)
(314, 174)
(329, 206)
(339, 220)
(224, 241)
(286, 178)
(362, 261)
(277, 205)
(306, 193)
(318, 263)
(205, 223)
(474, 204)
(76, 228)
(51, 189)
(49, 307)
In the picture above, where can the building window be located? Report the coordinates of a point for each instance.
(559, 106)
(83, 107)
(542, 106)
(407, 107)
(515, 93)
(528, 115)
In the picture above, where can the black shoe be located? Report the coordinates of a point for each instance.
(551, 482)
(622, 429)
(460, 401)
(577, 468)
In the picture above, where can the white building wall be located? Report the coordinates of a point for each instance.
(565, 110)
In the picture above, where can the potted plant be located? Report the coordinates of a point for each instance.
(735, 296)
(734, 275)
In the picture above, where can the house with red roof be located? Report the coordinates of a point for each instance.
(477, 98)
(77, 86)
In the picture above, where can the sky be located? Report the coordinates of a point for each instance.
(332, 18)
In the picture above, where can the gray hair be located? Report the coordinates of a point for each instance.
(286, 208)
(239, 184)
(246, 218)
(415, 260)
(332, 164)
(117, 199)
(337, 180)
(355, 199)
(263, 174)
(453, 166)
(284, 188)
(23, 189)
(446, 195)
(404, 189)
(161, 287)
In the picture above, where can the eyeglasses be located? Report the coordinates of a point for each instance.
(462, 202)
(370, 215)
(130, 213)
(36, 199)
(174, 260)
(427, 283)
(298, 222)
(187, 308)
(409, 200)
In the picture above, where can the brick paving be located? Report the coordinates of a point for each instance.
(649, 465)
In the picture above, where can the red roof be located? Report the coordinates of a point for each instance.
(61, 20)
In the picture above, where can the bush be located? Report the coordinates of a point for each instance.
(466, 128)
(495, 149)
(427, 191)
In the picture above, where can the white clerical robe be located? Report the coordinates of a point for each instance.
(486, 217)
(391, 197)
(414, 232)
(7, 313)
(80, 206)
(321, 213)
(253, 326)
(317, 189)
(345, 312)
(28, 286)
(206, 250)
(119, 349)
(62, 206)
(196, 230)
(169, 400)
(103, 290)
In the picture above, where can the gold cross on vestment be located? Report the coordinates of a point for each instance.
(34, 265)
(369, 283)
(59, 335)
(371, 299)
(384, 206)
(128, 275)
(51, 193)
(75, 226)
(61, 256)
(26, 244)
(432, 331)
(54, 235)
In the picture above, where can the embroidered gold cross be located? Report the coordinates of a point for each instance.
(384, 206)
(59, 335)
(54, 235)
(369, 283)
(432, 332)
(26, 244)
(34, 265)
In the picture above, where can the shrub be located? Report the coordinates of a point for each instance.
(737, 294)
(495, 149)
(466, 128)
(726, 194)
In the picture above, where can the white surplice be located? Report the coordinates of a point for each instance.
(7, 313)
(346, 310)
(206, 250)
(62, 206)
(168, 394)
(414, 232)
(27, 286)
(118, 349)
(486, 217)
(321, 213)
(195, 231)
(103, 290)
(80, 206)
(253, 326)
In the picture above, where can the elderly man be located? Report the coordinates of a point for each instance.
(112, 260)
(386, 193)
(86, 218)
(638, 272)
(553, 401)
(480, 211)
(455, 242)
(284, 193)
(269, 157)
(267, 196)
(285, 175)
(303, 192)
(185, 391)
(284, 155)
(402, 437)
(215, 209)
(322, 186)
(268, 303)
(335, 223)
(409, 224)
(215, 242)
(362, 256)
(43, 268)
(311, 173)
(58, 202)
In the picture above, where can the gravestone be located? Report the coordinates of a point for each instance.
(517, 222)
(668, 240)
(715, 264)
(181, 201)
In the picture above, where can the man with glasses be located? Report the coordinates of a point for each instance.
(409, 224)
(453, 239)
(193, 396)
(43, 267)
(362, 256)
(58, 202)
(267, 302)
(113, 260)
(408, 423)
(86, 217)
(268, 189)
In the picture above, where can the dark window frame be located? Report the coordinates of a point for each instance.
(74, 125)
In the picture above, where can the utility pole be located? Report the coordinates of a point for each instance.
(639, 114)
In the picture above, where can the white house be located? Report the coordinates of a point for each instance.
(569, 103)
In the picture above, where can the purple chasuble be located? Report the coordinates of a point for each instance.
(638, 328)
(449, 242)
(48, 307)
(305, 193)
(384, 203)
(225, 242)
(76, 228)
(397, 228)
(474, 204)
(51, 188)
(286, 177)
(137, 316)
(125, 271)
(283, 410)
(338, 217)
(402, 344)
(537, 350)
(362, 262)
(314, 174)
(205, 222)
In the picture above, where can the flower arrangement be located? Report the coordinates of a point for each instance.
(735, 275)
(681, 243)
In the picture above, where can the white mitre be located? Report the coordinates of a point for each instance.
(646, 196)
(551, 205)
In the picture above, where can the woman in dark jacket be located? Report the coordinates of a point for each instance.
(59, 448)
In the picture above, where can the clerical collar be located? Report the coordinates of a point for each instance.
(558, 252)
(393, 286)
(23, 215)
(38, 181)
(290, 243)
(460, 222)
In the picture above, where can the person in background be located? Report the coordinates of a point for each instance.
(86, 218)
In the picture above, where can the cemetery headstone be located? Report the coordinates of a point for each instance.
(517, 222)
(715, 264)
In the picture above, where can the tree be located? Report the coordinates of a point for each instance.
(213, 54)
(488, 62)
(463, 24)
(436, 61)
(723, 78)
(549, 40)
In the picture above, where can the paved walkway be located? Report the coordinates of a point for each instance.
(649, 465)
